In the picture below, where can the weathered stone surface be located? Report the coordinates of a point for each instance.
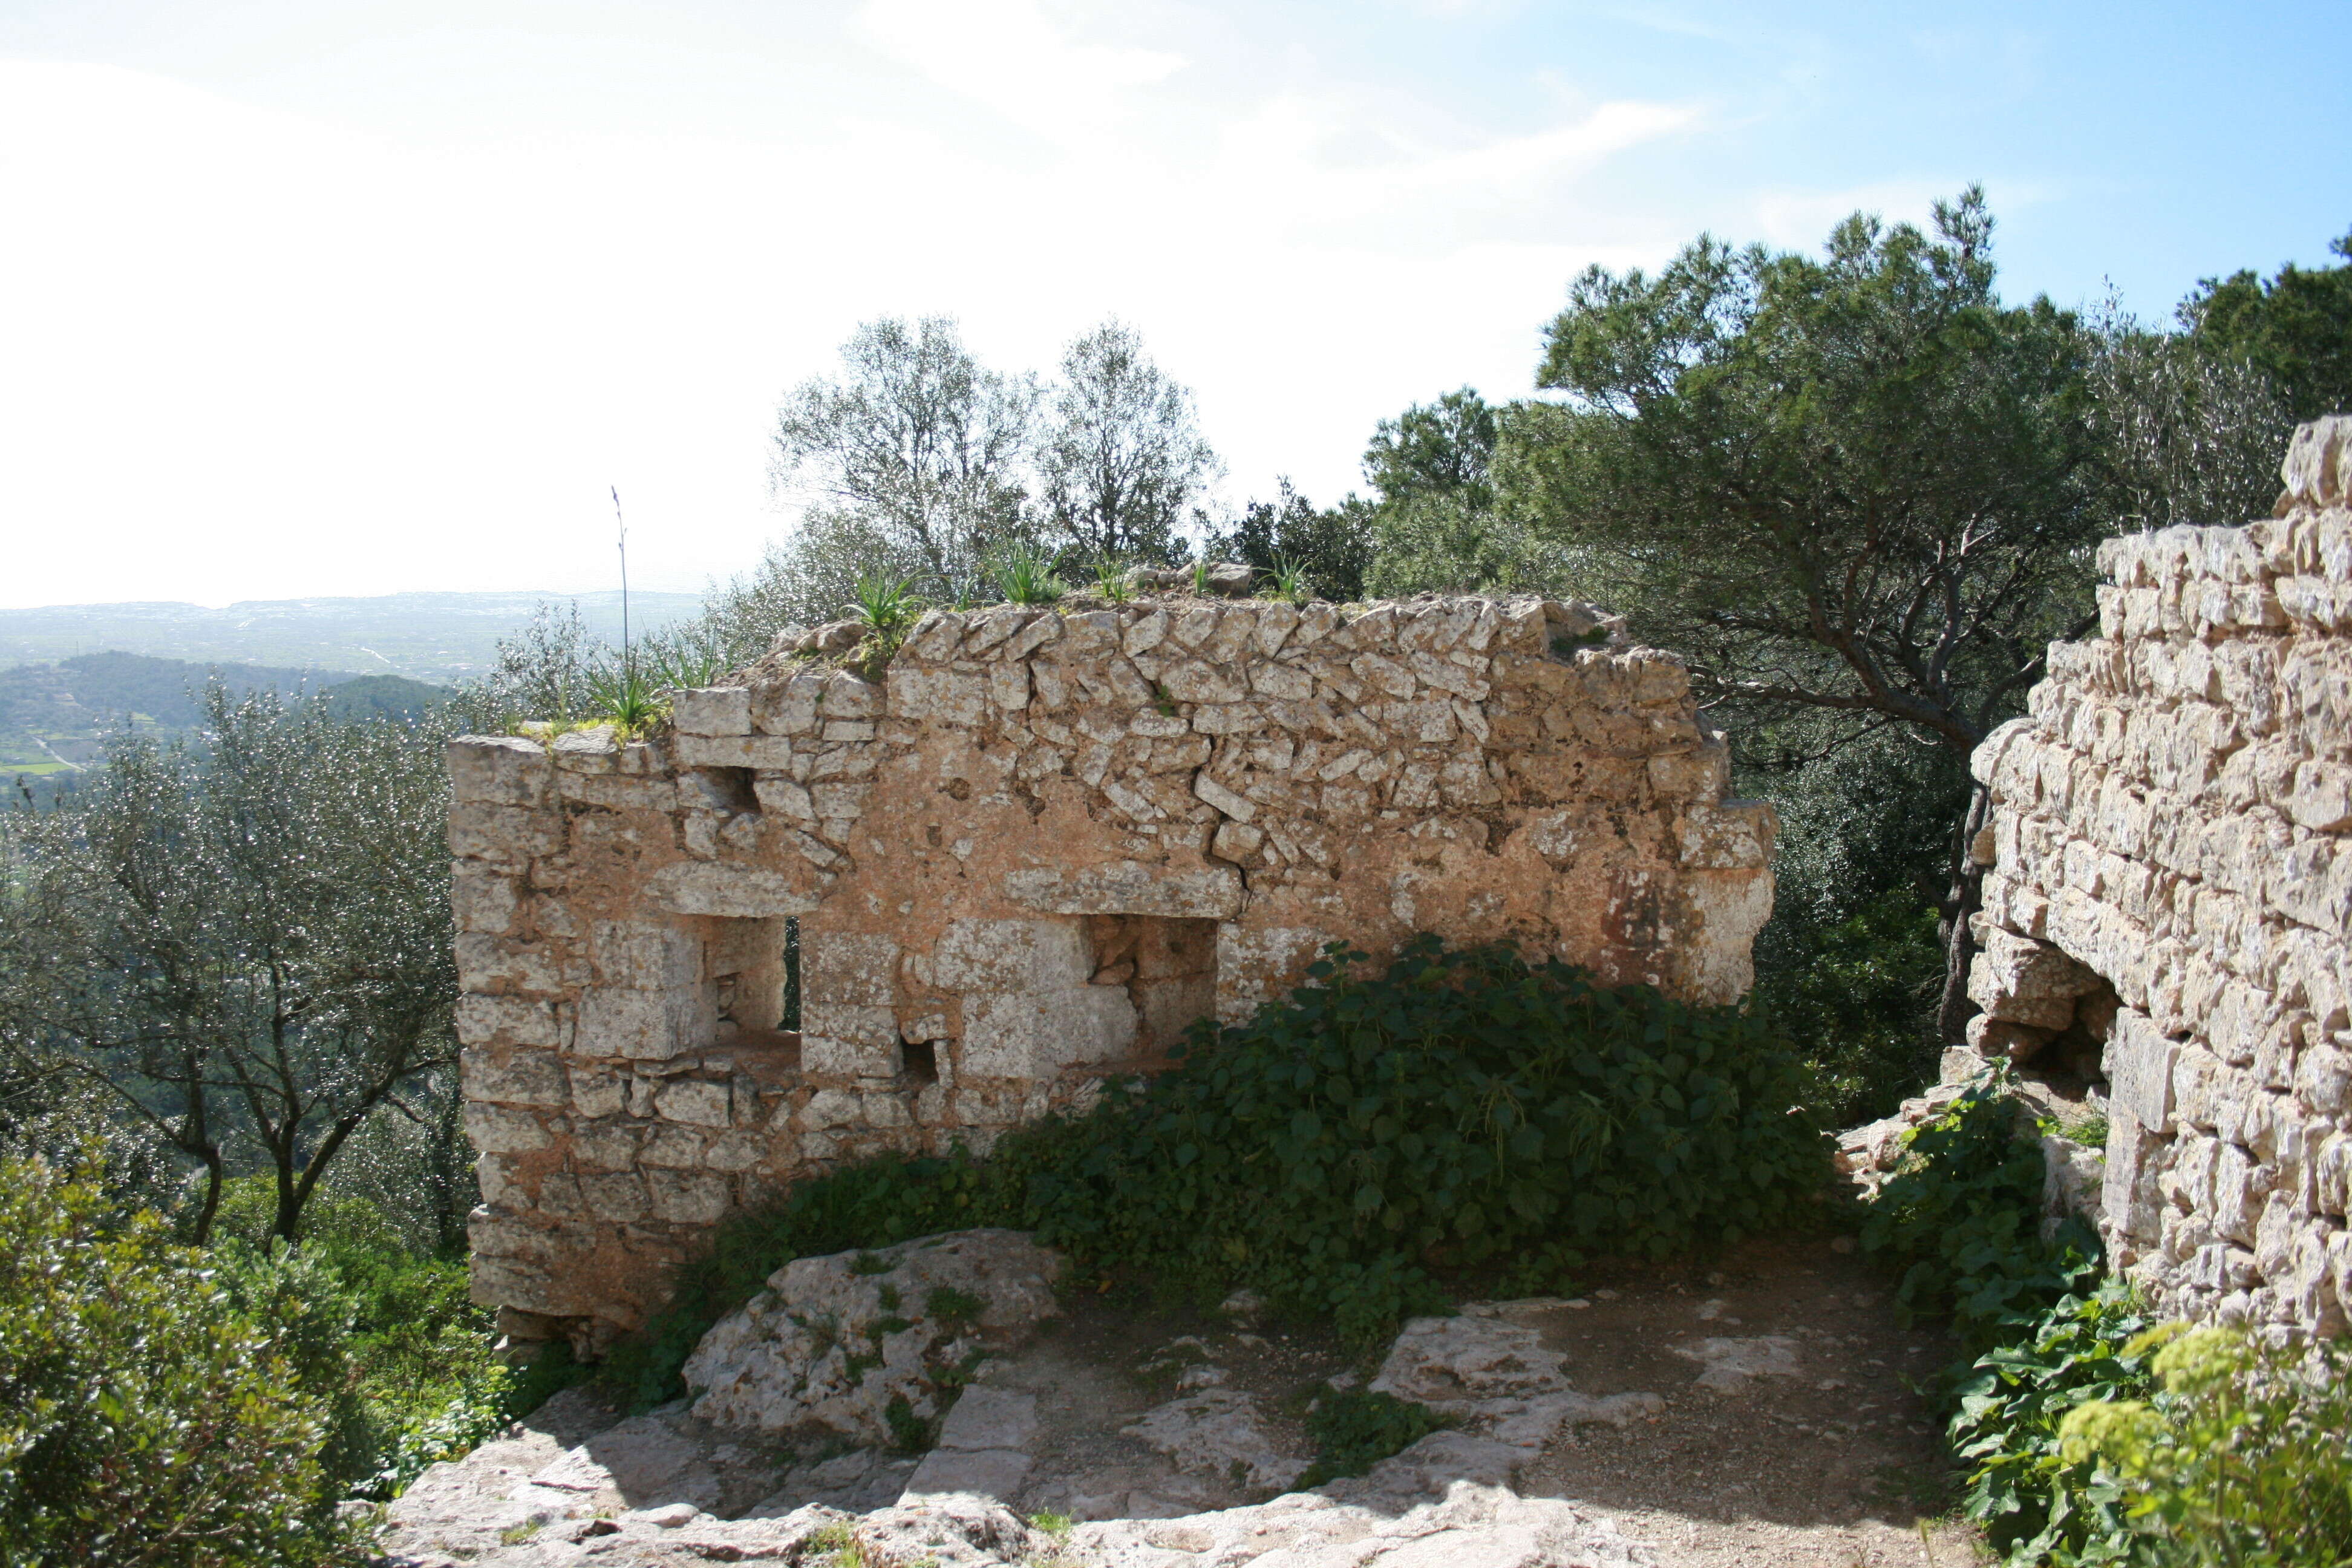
(2169, 873)
(1218, 1433)
(832, 1340)
(1028, 850)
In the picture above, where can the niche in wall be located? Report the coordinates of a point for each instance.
(1167, 968)
(753, 968)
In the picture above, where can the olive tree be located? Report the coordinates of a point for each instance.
(1122, 461)
(246, 942)
(916, 441)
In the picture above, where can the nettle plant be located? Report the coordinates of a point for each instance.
(1463, 1114)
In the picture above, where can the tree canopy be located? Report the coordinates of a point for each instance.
(2296, 327)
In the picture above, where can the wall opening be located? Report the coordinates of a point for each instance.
(1167, 968)
(730, 789)
(753, 968)
(919, 1061)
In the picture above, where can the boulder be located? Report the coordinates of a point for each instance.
(833, 1341)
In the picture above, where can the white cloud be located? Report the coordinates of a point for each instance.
(1007, 54)
(264, 354)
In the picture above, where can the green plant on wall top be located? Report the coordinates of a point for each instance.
(1026, 574)
(626, 695)
(886, 606)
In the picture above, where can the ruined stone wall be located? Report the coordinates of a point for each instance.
(1026, 854)
(2171, 881)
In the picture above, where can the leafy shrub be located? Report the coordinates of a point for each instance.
(1354, 1429)
(2243, 1458)
(147, 1419)
(1461, 1109)
(2032, 1501)
(1962, 1219)
(1860, 993)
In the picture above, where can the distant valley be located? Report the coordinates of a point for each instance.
(437, 638)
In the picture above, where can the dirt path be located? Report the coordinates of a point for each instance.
(1828, 1459)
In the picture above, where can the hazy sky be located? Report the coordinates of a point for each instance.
(307, 297)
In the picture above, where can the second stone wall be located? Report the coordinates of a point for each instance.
(2171, 887)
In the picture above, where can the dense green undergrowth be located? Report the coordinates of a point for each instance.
(2078, 1442)
(1346, 1149)
(171, 1404)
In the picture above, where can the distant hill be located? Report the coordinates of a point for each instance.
(436, 637)
(55, 718)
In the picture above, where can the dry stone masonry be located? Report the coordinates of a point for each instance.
(1024, 852)
(2171, 886)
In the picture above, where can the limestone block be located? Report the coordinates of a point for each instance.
(2240, 1184)
(486, 964)
(616, 794)
(848, 1023)
(705, 888)
(1701, 772)
(2027, 982)
(1012, 955)
(694, 1102)
(480, 831)
(789, 707)
(644, 955)
(500, 770)
(607, 1145)
(832, 1108)
(2330, 1163)
(1230, 802)
(596, 1092)
(2322, 1080)
(734, 750)
(512, 1077)
(1736, 834)
(1191, 681)
(934, 639)
(1131, 887)
(2138, 1061)
(712, 710)
(484, 898)
(867, 1046)
(1992, 1037)
(934, 696)
(618, 1197)
(496, 1130)
(645, 1026)
(689, 1197)
(671, 1145)
(1730, 907)
(2130, 1197)
(849, 966)
(505, 1021)
(1035, 1034)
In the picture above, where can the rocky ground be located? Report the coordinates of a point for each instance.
(1750, 1410)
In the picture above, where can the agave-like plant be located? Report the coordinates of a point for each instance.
(887, 604)
(1026, 574)
(630, 696)
(682, 667)
(1113, 582)
(1288, 581)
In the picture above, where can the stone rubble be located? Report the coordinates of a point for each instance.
(575, 1486)
(2168, 894)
